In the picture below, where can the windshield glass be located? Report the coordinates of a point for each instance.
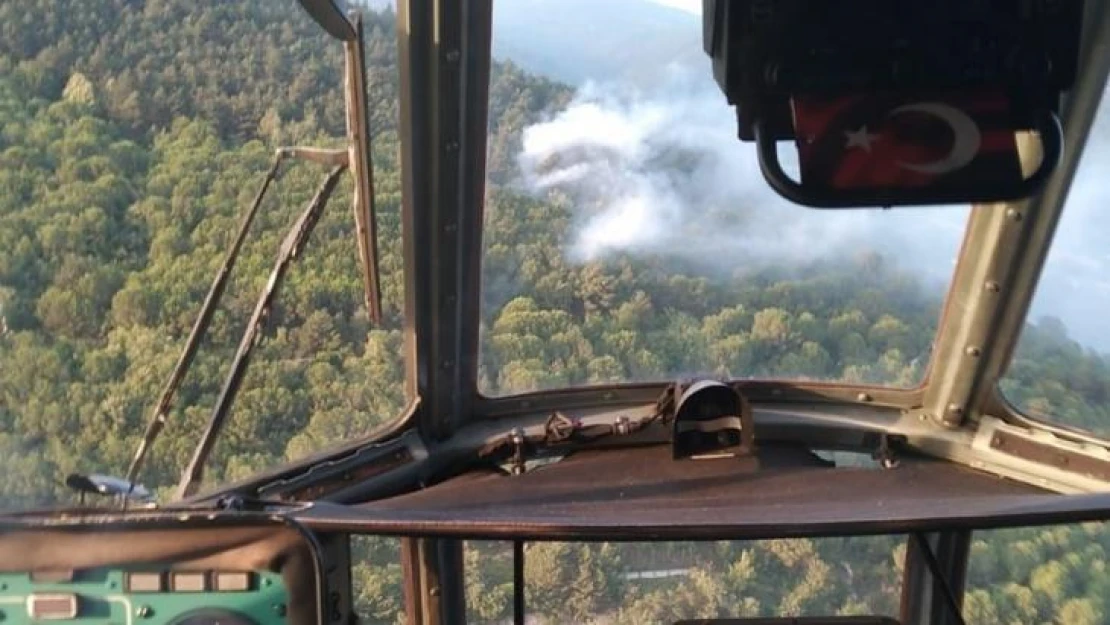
(1060, 369)
(631, 237)
(133, 137)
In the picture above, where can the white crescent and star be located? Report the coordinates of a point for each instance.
(965, 147)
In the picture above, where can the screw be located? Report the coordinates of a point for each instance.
(1014, 214)
(143, 611)
(992, 286)
(863, 397)
(434, 591)
(624, 425)
(516, 435)
(280, 609)
(973, 351)
(923, 417)
(955, 410)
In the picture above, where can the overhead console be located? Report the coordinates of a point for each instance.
(897, 102)
(159, 569)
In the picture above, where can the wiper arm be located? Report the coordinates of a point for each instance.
(200, 326)
(290, 249)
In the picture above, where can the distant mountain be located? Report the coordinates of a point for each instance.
(604, 40)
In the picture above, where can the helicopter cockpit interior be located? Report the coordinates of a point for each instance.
(646, 367)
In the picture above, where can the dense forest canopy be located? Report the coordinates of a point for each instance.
(134, 132)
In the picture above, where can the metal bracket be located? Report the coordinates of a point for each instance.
(884, 453)
(517, 440)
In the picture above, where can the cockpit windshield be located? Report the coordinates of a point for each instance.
(629, 236)
(556, 338)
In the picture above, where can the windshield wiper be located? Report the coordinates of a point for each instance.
(200, 326)
(356, 156)
(290, 250)
(358, 147)
(334, 158)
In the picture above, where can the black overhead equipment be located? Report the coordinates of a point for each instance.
(712, 420)
(884, 78)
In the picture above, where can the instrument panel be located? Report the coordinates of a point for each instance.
(152, 595)
(183, 569)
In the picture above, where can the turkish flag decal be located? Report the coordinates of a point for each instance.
(882, 142)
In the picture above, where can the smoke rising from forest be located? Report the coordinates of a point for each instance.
(660, 172)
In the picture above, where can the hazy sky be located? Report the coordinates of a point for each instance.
(690, 6)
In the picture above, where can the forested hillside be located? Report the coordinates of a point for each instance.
(134, 132)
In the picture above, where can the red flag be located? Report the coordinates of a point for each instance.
(885, 141)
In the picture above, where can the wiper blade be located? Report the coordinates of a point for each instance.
(200, 326)
(358, 138)
(290, 249)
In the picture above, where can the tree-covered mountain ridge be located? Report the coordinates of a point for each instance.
(134, 133)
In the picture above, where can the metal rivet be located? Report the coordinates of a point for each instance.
(434, 591)
(1014, 214)
(973, 351)
(452, 56)
(863, 397)
(143, 611)
(955, 410)
(922, 417)
(992, 286)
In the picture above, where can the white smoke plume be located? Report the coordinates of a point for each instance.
(661, 172)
